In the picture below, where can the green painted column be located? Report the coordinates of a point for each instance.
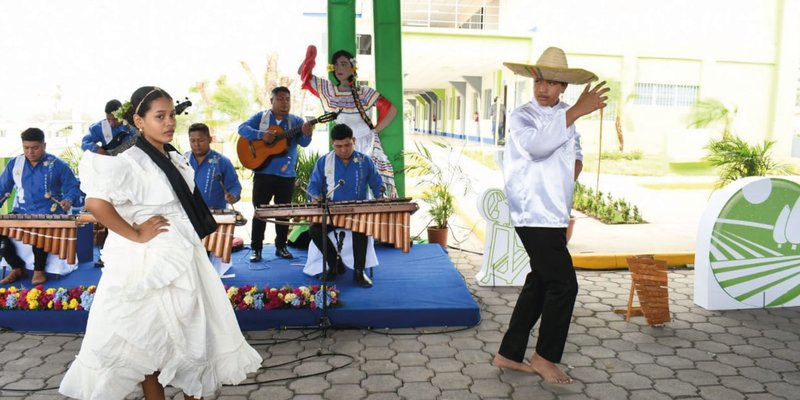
(341, 27)
(389, 80)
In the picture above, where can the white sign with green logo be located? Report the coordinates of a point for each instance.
(748, 246)
(505, 262)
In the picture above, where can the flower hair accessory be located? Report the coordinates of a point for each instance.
(119, 113)
(330, 68)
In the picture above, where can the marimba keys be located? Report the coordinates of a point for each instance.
(54, 233)
(387, 220)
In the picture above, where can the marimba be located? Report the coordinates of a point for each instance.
(220, 242)
(54, 233)
(387, 220)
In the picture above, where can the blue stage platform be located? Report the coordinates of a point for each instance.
(421, 288)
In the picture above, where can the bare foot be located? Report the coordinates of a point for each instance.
(549, 371)
(502, 362)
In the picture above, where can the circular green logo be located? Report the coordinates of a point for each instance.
(755, 244)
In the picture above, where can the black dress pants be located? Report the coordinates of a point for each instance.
(359, 246)
(9, 252)
(549, 292)
(266, 188)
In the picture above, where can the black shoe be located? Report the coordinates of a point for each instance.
(255, 256)
(361, 278)
(99, 263)
(331, 276)
(283, 252)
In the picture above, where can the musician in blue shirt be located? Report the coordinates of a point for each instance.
(344, 175)
(45, 185)
(214, 174)
(275, 178)
(109, 130)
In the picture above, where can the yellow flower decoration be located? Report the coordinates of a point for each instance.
(50, 290)
(289, 297)
(12, 290)
(73, 304)
(330, 67)
(232, 291)
(50, 305)
(2, 290)
(248, 299)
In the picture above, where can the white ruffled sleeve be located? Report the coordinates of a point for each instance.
(110, 178)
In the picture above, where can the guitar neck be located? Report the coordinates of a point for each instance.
(293, 131)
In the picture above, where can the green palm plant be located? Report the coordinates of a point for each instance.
(733, 157)
(306, 160)
(435, 180)
(736, 159)
(72, 155)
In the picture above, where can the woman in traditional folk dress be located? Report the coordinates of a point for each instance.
(160, 315)
(355, 103)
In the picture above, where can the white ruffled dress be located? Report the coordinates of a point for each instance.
(159, 306)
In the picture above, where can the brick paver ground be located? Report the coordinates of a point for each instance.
(701, 354)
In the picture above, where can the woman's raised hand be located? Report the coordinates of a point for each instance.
(149, 229)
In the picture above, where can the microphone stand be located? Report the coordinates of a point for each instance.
(324, 321)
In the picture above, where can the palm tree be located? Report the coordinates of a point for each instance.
(710, 112)
(733, 157)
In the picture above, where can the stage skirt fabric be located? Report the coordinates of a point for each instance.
(159, 306)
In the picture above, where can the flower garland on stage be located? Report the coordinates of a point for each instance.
(39, 298)
(247, 297)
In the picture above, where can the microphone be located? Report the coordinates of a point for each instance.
(5, 197)
(339, 184)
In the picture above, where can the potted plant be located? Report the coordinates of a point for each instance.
(436, 181)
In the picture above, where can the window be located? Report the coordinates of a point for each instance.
(364, 44)
(657, 94)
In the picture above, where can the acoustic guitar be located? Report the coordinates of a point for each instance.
(254, 153)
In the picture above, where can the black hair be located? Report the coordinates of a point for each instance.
(200, 127)
(113, 105)
(350, 57)
(340, 53)
(279, 89)
(341, 131)
(141, 100)
(32, 135)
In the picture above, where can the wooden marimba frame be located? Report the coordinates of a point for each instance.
(54, 233)
(220, 242)
(387, 220)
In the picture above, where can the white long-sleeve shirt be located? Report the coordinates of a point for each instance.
(539, 165)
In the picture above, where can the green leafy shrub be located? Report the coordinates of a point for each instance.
(734, 158)
(306, 161)
(618, 155)
(605, 208)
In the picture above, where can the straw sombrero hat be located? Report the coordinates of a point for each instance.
(552, 66)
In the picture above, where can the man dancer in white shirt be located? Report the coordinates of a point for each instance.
(541, 162)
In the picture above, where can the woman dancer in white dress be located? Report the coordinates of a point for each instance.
(160, 315)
